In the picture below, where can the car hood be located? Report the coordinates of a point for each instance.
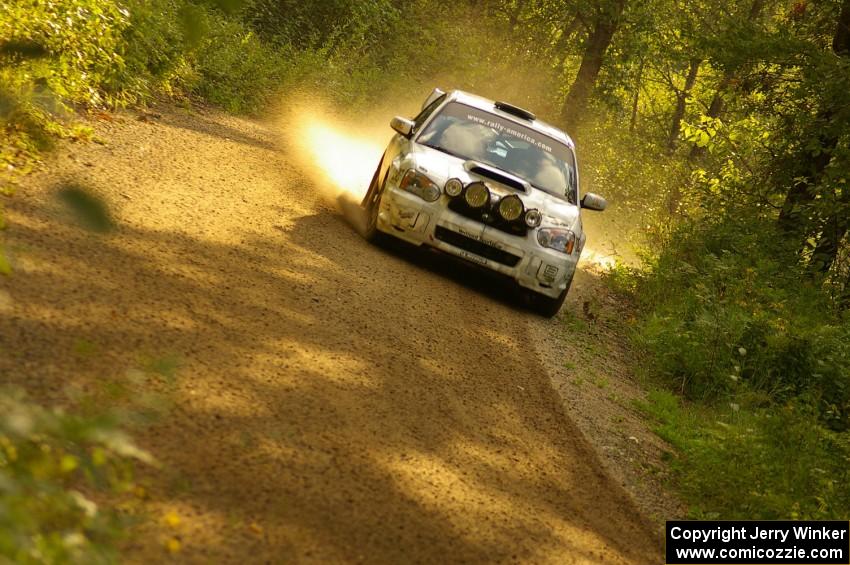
(441, 167)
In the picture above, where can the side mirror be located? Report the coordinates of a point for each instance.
(402, 125)
(436, 93)
(593, 201)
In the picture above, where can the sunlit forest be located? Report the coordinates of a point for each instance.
(719, 130)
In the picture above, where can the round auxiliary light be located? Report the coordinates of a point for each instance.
(453, 187)
(533, 218)
(476, 195)
(510, 208)
(431, 192)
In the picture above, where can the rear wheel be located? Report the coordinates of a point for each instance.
(547, 306)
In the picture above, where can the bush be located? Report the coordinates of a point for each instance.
(72, 48)
(726, 308)
(236, 70)
(51, 463)
(755, 361)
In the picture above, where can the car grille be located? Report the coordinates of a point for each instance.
(475, 246)
(488, 215)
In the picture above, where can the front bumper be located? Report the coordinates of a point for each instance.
(409, 218)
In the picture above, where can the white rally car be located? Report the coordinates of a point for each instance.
(490, 183)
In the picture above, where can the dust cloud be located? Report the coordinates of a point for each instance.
(338, 153)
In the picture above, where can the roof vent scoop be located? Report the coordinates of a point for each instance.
(516, 111)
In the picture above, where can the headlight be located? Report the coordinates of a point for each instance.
(533, 218)
(420, 185)
(510, 208)
(453, 187)
(476, 195)
(559, 239)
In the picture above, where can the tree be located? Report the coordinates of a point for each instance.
(818, 170)
(606, 20)
(715, 108)
(682, 95)
(835, 227)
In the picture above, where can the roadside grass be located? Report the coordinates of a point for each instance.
(732, 463)
(747, 372)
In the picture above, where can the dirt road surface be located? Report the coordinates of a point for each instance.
(317, 399)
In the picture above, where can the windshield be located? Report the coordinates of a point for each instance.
(473, 134)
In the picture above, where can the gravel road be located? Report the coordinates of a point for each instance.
(319, 399)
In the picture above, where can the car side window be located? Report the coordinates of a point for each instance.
(572, 189)
(427, 111)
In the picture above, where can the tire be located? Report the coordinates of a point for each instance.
(371, 205)
(548, 307)
(370, 193)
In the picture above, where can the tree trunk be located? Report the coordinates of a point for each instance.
(830, 242)
(561, 46)
(717, 103)
(681, 103)
(800, 192)
(841, 40)
(597, 44)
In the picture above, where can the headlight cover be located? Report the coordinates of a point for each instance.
(533, 218)
(453, 187)
(420, 185)
(558, 239)
(476, 195)
(511, 208)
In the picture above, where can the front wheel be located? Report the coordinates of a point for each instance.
(548, 307)
(371, 206)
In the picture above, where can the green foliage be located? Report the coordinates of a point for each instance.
(155, 51)
(242, 55)
(744, 462)
(74, 47)
(236, 70)
(726, 305)
(730, 319)
(53, 466)
(329, 24)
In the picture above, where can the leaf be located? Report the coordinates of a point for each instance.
(172, 545)
(68, 463)
(171, 519)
